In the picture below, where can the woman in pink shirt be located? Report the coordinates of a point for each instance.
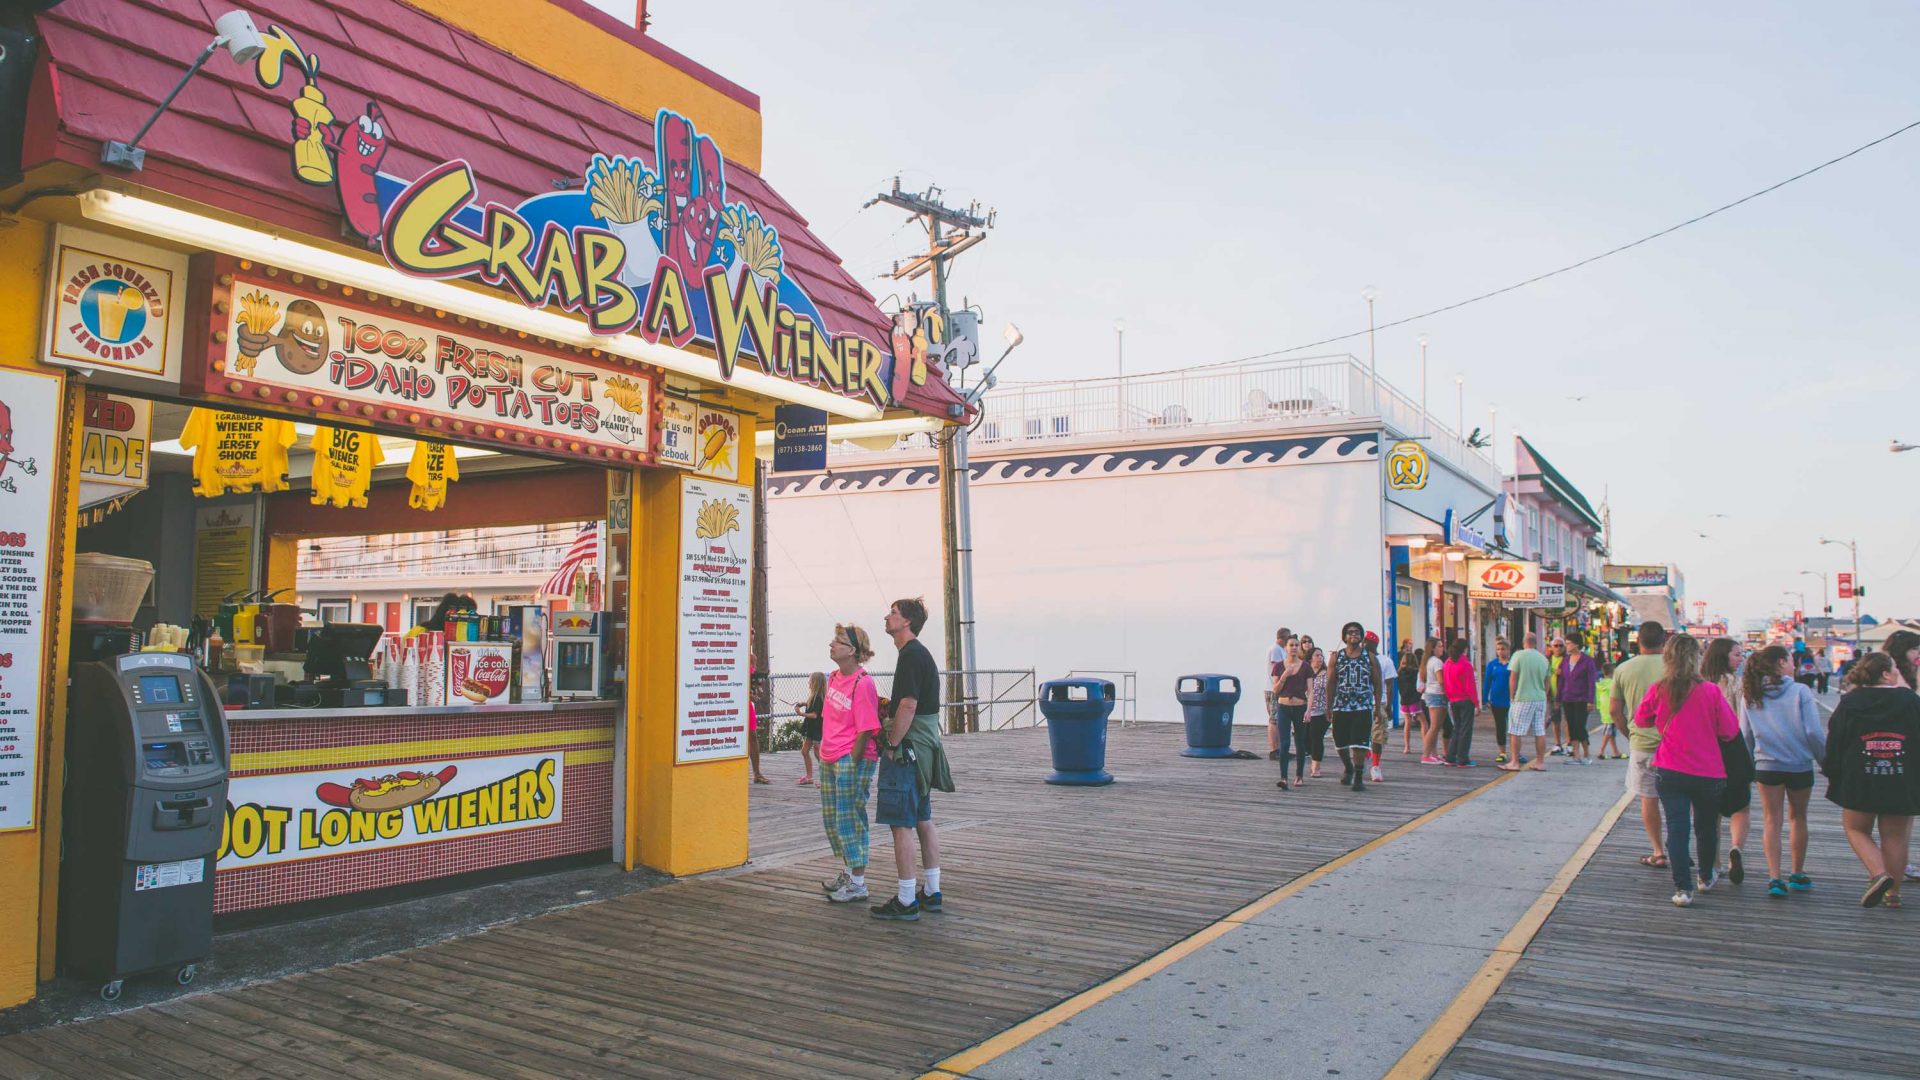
(849, 757)
(1463, 699)
(1693, 718)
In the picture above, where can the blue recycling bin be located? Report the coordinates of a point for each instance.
(1208, 701)
(1076, 712)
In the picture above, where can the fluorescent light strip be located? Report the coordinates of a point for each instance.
(198, 230)
(868, 429)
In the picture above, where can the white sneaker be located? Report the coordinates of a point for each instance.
(1683, 899)
(840, 881)
(848, 893)
(1707, 883)
(1373, 774)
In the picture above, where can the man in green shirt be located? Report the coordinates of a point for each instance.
(1631, 681)
(1527, 675)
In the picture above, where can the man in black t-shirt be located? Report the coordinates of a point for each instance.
(904, 804)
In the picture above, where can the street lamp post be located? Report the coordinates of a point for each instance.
(1853, 549)
(1423, 386)
(1373, 362)
(1825, 608)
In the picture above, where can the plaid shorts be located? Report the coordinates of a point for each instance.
(843, 806)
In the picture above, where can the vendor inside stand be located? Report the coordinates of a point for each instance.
(370, 764)
(449, 604)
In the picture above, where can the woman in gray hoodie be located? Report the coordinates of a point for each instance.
(1782, 727)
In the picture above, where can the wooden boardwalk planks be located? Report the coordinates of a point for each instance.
(1619, 983)
(1050, 891)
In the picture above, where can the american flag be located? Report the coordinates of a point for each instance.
(584, 552)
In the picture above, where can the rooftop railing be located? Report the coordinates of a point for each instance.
(1263, 395)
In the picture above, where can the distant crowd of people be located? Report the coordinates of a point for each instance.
(1703, 725)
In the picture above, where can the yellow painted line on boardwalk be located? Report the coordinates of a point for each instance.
(1419, 1062)
(980, 1054)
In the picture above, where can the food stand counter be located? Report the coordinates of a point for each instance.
(325, 803)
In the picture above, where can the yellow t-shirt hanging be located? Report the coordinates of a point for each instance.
(432, 469)
(343, 464)
(236, 452)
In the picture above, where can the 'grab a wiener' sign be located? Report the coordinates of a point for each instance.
(292, 816)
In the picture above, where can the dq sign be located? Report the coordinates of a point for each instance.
(1511, 581)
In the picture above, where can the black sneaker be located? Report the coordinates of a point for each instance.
(927, 902)
(1346, 777)
(895, 910)
(1736, 866)
(1273, 755)
(1359, 781)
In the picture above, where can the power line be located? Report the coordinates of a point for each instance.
(1577, 265)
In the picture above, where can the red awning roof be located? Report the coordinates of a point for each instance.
(446, 95)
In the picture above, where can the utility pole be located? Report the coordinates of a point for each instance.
(950, 231)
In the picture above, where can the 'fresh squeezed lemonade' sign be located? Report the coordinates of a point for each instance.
(308, 347)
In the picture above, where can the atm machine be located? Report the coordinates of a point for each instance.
(146, 799)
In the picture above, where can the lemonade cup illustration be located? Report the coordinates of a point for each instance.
(113, 308)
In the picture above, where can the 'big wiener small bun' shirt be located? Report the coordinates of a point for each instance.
(343, 464)
(432, 469)
(234, 452)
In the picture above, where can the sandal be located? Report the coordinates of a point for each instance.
(1877, 891)
(1656, 861)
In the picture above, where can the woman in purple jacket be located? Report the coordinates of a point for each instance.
(1578, 674)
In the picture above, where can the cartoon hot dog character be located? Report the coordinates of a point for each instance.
(394, 791)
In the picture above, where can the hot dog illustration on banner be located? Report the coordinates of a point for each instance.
(393, 791)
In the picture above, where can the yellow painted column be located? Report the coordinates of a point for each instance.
(29, 860)
(682, 819)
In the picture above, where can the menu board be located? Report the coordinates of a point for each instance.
(716, 572)
(222, 555)
(29, 441)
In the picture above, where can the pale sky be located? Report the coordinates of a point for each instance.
(1228, 178)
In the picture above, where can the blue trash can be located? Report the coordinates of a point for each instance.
(1076, 712)
(1208, 701)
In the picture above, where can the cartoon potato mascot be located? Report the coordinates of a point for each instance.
(304, 341)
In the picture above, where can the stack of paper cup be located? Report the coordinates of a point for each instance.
(435, 665)
(410, 670)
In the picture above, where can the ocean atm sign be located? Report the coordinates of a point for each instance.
(1511, 581)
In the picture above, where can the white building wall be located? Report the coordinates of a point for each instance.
(1150, 558)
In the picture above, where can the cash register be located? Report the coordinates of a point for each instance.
(340, 665)
(146, 795)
